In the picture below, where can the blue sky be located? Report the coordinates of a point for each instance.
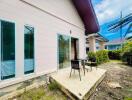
(108, 11)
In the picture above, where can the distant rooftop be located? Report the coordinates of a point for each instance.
(115, 41)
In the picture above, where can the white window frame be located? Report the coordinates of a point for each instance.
(0, 50)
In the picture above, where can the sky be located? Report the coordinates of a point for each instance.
(108, 11)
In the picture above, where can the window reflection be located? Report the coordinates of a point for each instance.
(28, 50)
(64, 51)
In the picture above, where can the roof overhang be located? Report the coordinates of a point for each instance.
(116, 42)
(97, 36)
(87, 14)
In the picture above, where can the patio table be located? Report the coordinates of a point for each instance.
(82, 62)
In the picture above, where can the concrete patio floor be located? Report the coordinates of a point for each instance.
(73, 87)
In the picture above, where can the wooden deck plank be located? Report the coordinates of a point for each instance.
(73, 87)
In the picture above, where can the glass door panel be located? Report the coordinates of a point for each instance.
(64, 51)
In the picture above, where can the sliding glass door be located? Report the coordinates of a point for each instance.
(28, 49)
(7, 38)
(63, 51)
(74, 48)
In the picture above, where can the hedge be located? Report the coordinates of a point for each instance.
(115, 54)
(127, 57)
(100, 56)
(127, 52)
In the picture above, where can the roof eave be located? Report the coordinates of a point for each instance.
(88, 16)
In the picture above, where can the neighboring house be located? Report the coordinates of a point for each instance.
(95, 42)
(114, 44)
(41, 36)
(128, 36)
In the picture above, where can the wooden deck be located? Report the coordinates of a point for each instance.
(73, 87)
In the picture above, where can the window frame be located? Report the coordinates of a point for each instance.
(0, 51)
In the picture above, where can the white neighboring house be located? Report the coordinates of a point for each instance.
(114, 44)
(128, 36)
(39, 37)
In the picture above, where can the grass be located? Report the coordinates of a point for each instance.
(128, 99)
(50, 92)
(53, 86)
(115, 61)
(34, 94)
(129, 89)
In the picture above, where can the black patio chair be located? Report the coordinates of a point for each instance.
(83, 63)
(93, 62)
(75, 65)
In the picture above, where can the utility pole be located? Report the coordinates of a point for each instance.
(121, 30)
(121, 25)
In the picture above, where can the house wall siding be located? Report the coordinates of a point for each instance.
(46, 29)
(61, 8)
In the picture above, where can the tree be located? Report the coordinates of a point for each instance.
(127, 47)
(127, 52)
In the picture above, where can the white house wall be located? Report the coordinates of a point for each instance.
(46, 29)
(61, 8)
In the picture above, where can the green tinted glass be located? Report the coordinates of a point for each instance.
(28, 49)
(7, 50)
(64, 51)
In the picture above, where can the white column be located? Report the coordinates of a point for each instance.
(102, 46)
(92, 44)
(85, 46)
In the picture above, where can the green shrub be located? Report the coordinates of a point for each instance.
(115, 54)
(128, 99)
(127, 52)
(91, 55)
(101, 56)
(53, 86)
(127, 46)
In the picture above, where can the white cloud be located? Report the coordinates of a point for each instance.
(108, 10)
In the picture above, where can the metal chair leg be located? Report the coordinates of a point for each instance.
(79, 74)
(74, 71)
(84, 70)
(91, 66)
(70, 72)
